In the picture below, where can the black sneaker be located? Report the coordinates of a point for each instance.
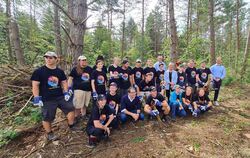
(91, 145)
(52, 137)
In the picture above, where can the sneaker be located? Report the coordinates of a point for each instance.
(194, 114)
(203, 108)
(91, 145)
(51, 137)
(216, 103)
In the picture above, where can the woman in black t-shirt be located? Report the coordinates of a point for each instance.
(201, 102)
(98, 80)
(187, 99)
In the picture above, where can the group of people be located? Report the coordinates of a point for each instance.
(120, 93)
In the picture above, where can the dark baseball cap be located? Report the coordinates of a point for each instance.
(153, 88)
(113, 84)
(101, 97)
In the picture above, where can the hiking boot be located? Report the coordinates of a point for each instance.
(92, 143)
(51, 136)
(216, 103)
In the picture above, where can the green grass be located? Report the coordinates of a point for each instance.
(6, 136)
(138, 139)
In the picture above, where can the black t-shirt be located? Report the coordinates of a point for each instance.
(170, 76)
(82, 81)
(137, 72)
(159, 76)
(203, 74)
(202, 100)
(104, 68)
(143, 86)
(181, 79)
(151, 98)
(50, 82)
(191, 75)
(150, 70)
(100, 80)
(116, 71)
(96, 114)
(190, 97)
(125, 78)
(113, 98)
(130, 106)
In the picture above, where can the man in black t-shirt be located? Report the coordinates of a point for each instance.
(150, 69)
(113, 98)
(50, 90)
(156, 104)
(182, 77)
(79, 77)
(203, 74)
(114, 71)
(191, 75)
(144, 86)
(100, 121)
(137, 73)
(160, 83)
(125, 78)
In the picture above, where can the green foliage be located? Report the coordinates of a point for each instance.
(6, 136)
(138, 139)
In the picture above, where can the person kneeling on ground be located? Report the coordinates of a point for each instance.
(100, 123)
(156, 104)
(131, 106)
(176, 103)
(113, 98)
(187, 99)
(201, 102)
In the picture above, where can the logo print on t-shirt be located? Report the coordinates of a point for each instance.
(100, 79)
(193, 73)
(102, 119)
(161, 77)
(138, 74)
(112, 104)
(204, 75)
(125, 77)
(181, 79)
(53, 81)
(85, 77)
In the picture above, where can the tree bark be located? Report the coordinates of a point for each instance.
(8, 30)
(246, 54)
(142, 31)
(238, 36)
(123, 29)
(57, 26)
(166, 23)
(188, 20)
(212, 33)
(173, 31)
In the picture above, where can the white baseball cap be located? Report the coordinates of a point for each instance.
(138, 60)
(82, 57)
(50, 54)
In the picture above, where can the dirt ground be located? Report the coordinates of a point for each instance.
(222, 132)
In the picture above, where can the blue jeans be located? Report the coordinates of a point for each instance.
(176, 111)
(124, 117)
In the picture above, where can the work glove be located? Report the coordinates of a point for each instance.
(95, 95)
(157, 102)
(70, 91)
(37, 101)
(66, 96)
(154, 112)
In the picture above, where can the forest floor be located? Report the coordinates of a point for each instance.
(222, 132)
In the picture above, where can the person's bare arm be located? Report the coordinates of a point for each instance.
(35, 88)
(70, 81)
(93, 85)
(64, 85)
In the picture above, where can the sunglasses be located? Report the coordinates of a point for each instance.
(48, 57)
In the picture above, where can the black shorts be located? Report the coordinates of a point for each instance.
(49, 108)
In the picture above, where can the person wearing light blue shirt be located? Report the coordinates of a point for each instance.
(218, 72)
(170, 77)
(159, 61)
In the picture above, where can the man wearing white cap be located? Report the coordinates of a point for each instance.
(79, 79)
(50, 90)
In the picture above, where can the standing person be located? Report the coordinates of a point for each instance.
(201, 102)
(182, 78)
(160, 61)
(113, 98)
(125, 78)
(98, 80)
(50, 90)
(160, 83)
(191, 75)
(131, 106)
(114, 71)
(156, 104)
(137, 73)
(79, 78)
(203, 75)
(218, 74)
(150, 69)
(175, 103)
(104, 68)
(170, 77)
(100, 122)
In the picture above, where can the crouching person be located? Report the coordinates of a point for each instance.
(187, 99)
(131, 106)
(175, 103)
(201, 103)
(100, 123)
(156, 104)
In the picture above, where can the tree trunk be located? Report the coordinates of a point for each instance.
(8, 30)
(14, 36)
(188, 20)
(123, 29)
(212, 33)
(142, 31)
(238, 36)
(77, 28)
(198, 18)
(57, 26)
(167, 30)
(246, 54)
(173, 31)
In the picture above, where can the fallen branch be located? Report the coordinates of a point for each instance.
(18, 113)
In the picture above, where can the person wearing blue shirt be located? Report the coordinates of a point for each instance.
(218, 72)
(159, 61)
(170, 77)
(175, 103)
(131, 106)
